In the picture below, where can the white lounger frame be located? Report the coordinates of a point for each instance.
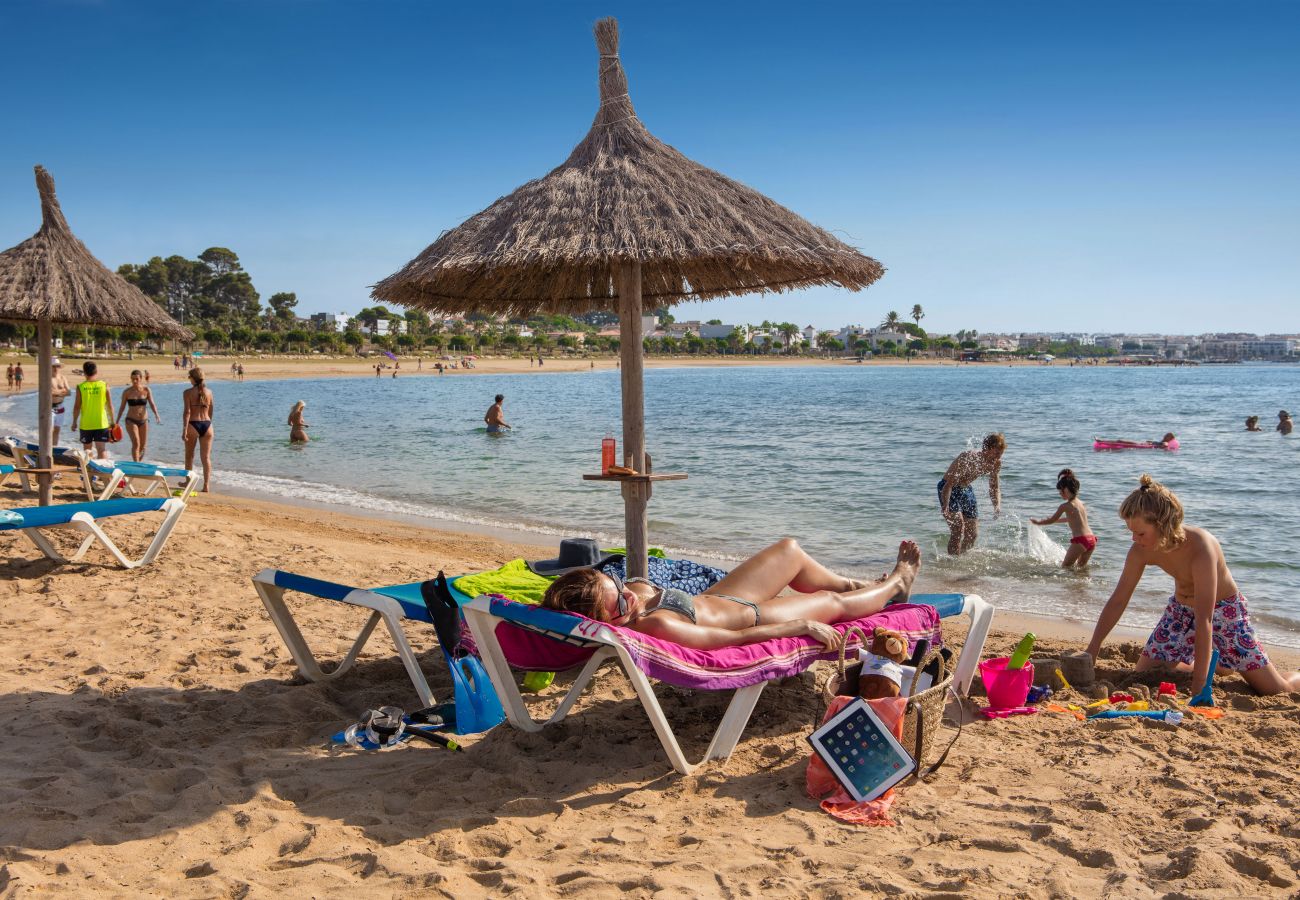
(381, 608)
(85, 522)
(482, 623)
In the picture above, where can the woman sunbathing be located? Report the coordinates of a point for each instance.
(744, 607)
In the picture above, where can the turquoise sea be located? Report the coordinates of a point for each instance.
(843, 457)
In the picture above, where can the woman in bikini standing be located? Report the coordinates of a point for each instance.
(137, 400)
(198, 424)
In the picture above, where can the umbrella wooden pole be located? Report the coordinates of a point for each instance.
(636, 495)
(45, 437)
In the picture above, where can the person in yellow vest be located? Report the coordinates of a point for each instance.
(93, 410)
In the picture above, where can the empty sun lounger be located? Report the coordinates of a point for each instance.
(514, 635)
(149, 476)
(85, 517)
(26, 456)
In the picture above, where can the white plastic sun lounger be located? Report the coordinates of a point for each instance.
(638, 657)
(152, 476)
(85, 517)
(26, 456)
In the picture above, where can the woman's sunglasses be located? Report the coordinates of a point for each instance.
(620, 588)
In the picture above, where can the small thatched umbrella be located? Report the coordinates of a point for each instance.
(627, 223)
(52, 279)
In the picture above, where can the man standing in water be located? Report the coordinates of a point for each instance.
(493, 416)
(957, 497)
(59, 391)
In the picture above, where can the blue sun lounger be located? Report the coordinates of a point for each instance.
(477, 708)
(85, 517)
(112, 472)
(154, 476)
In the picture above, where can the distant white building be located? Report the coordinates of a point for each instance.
(713, 332)
(332, 321)
(810, 337)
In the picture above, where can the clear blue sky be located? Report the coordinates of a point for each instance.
(1098, 166)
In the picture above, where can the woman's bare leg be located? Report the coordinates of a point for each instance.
(191, 441)
(842, 606)
(144, 439)
(133, 432)
(773, 569)
(205, 451)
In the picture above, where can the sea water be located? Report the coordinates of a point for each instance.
(843, 457)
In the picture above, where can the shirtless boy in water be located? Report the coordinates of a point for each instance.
(957, 497)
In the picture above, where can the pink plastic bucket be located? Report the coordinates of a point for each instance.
(1006, 689)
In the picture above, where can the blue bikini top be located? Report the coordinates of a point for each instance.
(671, 599)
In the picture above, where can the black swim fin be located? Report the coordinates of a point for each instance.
(445, 613)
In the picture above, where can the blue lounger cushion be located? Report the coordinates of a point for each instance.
(407, 595)
(61, 513)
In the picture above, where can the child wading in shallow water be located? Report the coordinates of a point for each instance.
(1083, 541)
(1206, 611)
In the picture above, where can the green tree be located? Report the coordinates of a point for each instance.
(220, 261)
(917, 313)
(788, 331)
(241, 336)
(891, 322)
(296, 337)
(354, 338)
(282, 304)
(215, 337)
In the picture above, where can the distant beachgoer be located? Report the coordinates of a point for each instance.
(539, 360)
(1284, 423)
(240, 372)
(1206, 611)
(419, 364)
(176, 362)
(746, 606)
(957, 497)
(9, 376)
(18, 377)
(1169, 438)
(1082, 540)
(379, 370)
(93, 410)
(234, 370)
(298, 427)
(493, 417)
(137, 400)
(197, 428)
(59, 391)
(146, 376)
(1252, 423)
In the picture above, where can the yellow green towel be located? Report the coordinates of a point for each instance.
(514, 580)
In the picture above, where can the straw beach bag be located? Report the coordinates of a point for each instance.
(924, 710)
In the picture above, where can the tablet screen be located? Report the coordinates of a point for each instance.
(861, 752)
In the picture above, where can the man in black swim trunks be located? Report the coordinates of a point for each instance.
(957, 497)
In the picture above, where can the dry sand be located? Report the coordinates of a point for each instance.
(117, 370)
(158, 741)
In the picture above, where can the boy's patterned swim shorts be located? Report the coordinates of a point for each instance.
(1174, 639)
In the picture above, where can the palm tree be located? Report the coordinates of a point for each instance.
(917, 314)
(891, 322)
(788, 331)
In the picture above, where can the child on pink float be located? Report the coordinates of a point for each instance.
(1206, 611)
(1083, 541)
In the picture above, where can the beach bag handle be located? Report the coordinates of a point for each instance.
(917, 773)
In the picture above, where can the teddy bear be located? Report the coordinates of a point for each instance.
(882, 671)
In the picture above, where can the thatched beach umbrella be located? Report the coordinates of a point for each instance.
(52, 279)
(626, 223)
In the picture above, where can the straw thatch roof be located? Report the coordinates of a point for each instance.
(51, 276)
(622, 196)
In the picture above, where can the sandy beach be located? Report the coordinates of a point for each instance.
(160, 741)
(117, 369)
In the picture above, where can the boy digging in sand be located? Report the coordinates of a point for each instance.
(1206, 611)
